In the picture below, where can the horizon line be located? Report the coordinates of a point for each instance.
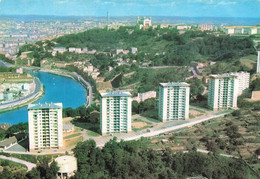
(40, 15)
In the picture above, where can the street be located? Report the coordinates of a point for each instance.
(29, 165)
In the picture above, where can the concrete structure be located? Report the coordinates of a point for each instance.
(255, 95)
(134, 50)
(183, 27)
(242, 30)
(67, 166)
(58, 49)
(115, 112)
(73, 49)
(118, 51)
(45, 126)
(222, 91)
(7, 143)
(174, 101)
(204, 27)
(243, 80)
(143, 96)
(258, 63)
(68, 128)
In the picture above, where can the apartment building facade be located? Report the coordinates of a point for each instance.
(243, 81)
(173, 101)
(115, 111)
(222, 91)
(45, 126)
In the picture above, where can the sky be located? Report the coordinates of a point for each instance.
(186, 8)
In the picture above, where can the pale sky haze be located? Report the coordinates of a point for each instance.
(190, 8)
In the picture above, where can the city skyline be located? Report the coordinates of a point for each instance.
(188, 8)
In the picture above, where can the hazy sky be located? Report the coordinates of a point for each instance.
(197, 8)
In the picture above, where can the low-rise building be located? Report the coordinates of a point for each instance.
(134, 50)
(242, 30)
(7, 143)
(58, 49)
(67, 166)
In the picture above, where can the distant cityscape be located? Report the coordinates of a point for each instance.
(131, 90)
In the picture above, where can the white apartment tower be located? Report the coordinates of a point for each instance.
(174, 101)
(258, 63)
(243, 80)
(115, 111)
(45, 126)
(222, 91)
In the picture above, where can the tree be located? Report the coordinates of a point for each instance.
(135, 107)
(196, 87)
(46, 171)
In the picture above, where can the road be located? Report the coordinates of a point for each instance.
(89, 88)
(224, 155)
(157, 130)
(2, 63)
(29, 165)
(38, 87)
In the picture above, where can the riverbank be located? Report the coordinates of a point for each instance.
(31, 98)
(75, 76)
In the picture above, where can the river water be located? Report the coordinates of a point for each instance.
(57, 89)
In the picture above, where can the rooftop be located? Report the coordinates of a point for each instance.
(226, 75)
(240, 27)
(174, 84)
(8, 141)
(45, 106)
(59, 48)
(110, 94)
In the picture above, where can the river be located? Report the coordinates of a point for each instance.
(57, 89)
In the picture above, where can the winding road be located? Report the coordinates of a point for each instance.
(29, 165)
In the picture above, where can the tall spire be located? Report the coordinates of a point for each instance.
(258, 63)
(107, 19)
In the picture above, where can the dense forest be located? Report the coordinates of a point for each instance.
(133, 159)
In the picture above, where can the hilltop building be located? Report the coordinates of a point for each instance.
(222, 91)
(45, 126)
(116, 111)
(174, 101)
(144, 22)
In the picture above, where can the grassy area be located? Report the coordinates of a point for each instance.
(138, 129)
(93, 134)
(87, 126)
(249, 61)
(71, 136)
(199, 109)
(73, 143)
(151, 115)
